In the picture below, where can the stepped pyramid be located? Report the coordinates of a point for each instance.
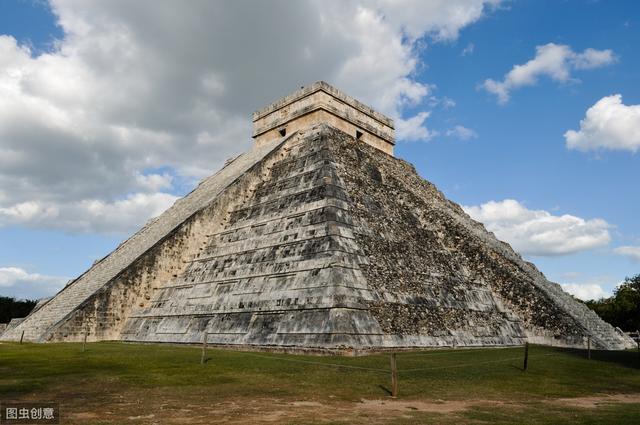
(317, 239)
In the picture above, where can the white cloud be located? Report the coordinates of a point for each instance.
(18, 283)
(538, 232)
(588, 287)
(447, 103)
(585, 291)
(592, 58)
(462, 133)
(147, 85)
(609, 124)
(555, 61)
(154, 182)
(468, 49)
(90, 215)
(632, 252)
(414, 128)
(440, 19)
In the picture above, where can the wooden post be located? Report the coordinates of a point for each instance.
(589, 347)
(526, 356)
(21, 337)
(204, 348)
(84, 341)
(394, 376)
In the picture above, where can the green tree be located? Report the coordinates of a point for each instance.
(623, 308)
(11, 308)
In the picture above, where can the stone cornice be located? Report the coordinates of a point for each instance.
(330, 90)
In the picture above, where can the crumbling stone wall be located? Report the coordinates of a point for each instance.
(279, 272)
(103, 315)
(416, 246)
(330, 244)
(136, 270)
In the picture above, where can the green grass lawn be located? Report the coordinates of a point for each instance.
(132, 383)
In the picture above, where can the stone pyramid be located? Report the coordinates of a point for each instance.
(317, 239)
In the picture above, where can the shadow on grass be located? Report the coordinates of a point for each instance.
(520, 368)
(385, 389)
(627, 358)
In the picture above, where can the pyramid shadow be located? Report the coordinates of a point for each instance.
(627, 358)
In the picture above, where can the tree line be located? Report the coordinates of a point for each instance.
(623, 308)
(11, 308)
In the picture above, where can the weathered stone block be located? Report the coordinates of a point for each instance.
(317, 242)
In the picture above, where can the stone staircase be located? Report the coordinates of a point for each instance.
(283, 270)
(602, 334)
(37, 326)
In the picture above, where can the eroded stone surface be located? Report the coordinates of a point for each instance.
(325, 243)
(440, 273)
(94, 286)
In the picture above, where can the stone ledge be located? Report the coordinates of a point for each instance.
(329, 89)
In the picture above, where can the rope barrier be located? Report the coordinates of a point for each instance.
(443, 352)
(394, 371)
(460, 365)
(475, 363)
(318, 363)
(337, 365)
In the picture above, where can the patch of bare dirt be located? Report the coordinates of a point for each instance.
(592, 402)
(438, 406)
(200, 407)
(83, 415)
(268, 411)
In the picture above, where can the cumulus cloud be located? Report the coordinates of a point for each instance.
(555, 61)
(146, 85)
(440, 19)
(609, 124)
(18, 283)
(414, 128)
(462, 133)
(632, 252)
(90, 215)
(585, 291)
(587, 288)
(538, 232)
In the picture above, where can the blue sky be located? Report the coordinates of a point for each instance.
(111, 111)
(520, 150)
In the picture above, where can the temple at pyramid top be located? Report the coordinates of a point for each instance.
(323, 103)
